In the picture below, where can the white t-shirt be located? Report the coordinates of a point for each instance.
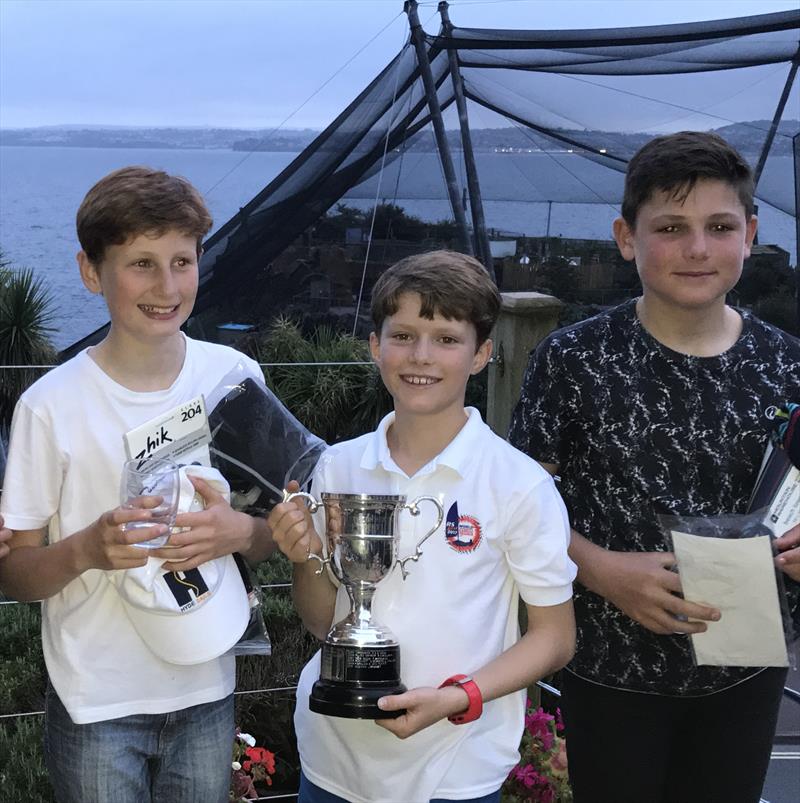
(456, 611)
(64, 467)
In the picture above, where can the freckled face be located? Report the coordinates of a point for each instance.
(149, 283)
(689, 254)
(425, 364)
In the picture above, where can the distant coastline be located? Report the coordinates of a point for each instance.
(747, 137)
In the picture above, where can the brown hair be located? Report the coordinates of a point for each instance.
(456, 286)
(139, 200)
(674, 163)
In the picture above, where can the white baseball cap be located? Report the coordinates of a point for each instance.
(187, 617)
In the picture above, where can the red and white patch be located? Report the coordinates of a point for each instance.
(467, 535)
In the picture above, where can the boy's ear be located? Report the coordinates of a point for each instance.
(89, 273)
(623, 234)
(751, 227)
(482, 356)
(374, 347)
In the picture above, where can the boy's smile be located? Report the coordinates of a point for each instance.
(689, 252)
(425, 364)
(149, 283)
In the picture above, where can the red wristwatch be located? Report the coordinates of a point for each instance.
(475, 708)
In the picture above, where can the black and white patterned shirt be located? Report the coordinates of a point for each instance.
(639, 430)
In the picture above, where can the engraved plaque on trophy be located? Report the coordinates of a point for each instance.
(360, 656)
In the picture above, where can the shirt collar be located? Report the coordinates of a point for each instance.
(457, 455)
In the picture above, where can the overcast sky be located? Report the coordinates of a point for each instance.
(250, 63)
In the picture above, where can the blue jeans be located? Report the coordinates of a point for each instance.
(179, 757)
(311, 793)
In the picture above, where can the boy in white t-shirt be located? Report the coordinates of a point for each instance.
(122, 724)
(456, 613)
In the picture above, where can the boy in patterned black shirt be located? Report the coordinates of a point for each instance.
(658, 406)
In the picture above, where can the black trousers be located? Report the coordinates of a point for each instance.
(628, 747)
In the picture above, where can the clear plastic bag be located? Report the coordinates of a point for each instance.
(255, 639)
(258, 446)
(256, 443)
(741, 581)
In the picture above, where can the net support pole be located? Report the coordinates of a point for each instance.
(796, 154)
(418, 39)
(762, 159)
(482, 245)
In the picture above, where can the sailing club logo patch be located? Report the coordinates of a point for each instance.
(463, 533)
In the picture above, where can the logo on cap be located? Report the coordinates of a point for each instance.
(188, 588)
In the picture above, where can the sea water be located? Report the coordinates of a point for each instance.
(42, 187)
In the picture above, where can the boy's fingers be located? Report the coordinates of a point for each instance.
(394, 702)
(123, 515)
(209, 493)
(143, 502)
(140, 535)
(692, 610)
(667, 559)
(789, 540)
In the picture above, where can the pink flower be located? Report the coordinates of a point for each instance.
(559, 721)
(539, 726)
(527, 775)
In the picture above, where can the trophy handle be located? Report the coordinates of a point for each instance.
(413, 509)
(313, 507)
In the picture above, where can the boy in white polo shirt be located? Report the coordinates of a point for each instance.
(506, 535)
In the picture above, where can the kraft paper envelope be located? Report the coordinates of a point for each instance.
(737, 576)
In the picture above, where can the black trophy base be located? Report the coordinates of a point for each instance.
(352, 702)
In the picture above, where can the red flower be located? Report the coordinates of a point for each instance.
(259, 755)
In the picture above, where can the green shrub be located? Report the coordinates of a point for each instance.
(26, 312)
(335, 402)
(22, 672)
(23, 777)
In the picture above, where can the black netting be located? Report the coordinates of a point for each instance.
(568, 101)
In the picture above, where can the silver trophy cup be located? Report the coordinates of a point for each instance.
(360, 656)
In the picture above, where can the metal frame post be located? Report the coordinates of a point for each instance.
(762, 159)
(482, 245)
(418, 39)
(796, 154)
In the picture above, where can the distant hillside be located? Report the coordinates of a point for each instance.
(747, 137)
(183, 138)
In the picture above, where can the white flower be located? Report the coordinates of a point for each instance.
(247, 739)
(235, 765)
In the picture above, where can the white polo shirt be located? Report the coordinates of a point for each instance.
(505, 534)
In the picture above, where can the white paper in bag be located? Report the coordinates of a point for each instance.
(737, 576)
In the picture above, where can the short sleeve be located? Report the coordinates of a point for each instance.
(536, 541)
(34, 472)
(545, 407)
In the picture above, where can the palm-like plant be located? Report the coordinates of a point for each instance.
(333, 401)
(26, 314)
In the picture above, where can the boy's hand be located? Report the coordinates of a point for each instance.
(424, 706)
(292, 528)
(788, 560)
(214, 532)
(107, 545)
(5, 535)
(642, 586)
